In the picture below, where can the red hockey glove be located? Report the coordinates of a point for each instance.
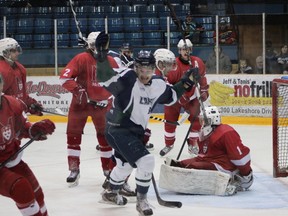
(81, 95)
(34, 107)
(147, 136)
(43, 127)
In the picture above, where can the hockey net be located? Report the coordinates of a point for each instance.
(280, 127)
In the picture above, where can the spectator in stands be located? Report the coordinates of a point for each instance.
(244, 68)
(126, 55)
(271, 59)
(259, 65)
(282, 59)
(225, 65)
(191, 29)
(226, 34)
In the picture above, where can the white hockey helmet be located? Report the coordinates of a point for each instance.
(213, 119)
(165, 60)
(6, 46)
(91, 40)
(184, 44)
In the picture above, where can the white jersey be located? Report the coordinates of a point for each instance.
(135, 101)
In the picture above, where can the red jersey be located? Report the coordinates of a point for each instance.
(225, 150)
(82, 71)
(13, 126)
(14, 80)
(175, 76)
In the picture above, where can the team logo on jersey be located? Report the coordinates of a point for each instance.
(205, 147)
(146, 100)
(6, 132)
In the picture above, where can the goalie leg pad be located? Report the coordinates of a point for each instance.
(193, 181)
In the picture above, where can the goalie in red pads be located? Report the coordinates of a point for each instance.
(17, 180)
(220, 150)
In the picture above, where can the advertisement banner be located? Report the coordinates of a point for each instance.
(242, 95)
(49, 92)
(234, 95)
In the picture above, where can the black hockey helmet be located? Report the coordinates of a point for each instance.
(145, 58)
(126, 47)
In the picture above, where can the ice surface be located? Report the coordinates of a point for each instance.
(267, 196)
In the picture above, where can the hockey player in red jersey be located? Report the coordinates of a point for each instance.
(165, 62)
(221, 148)
(14, 75)
(89, 99)
(17, 180)
(188, 101)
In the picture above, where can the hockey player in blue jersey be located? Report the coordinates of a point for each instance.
(136, 93)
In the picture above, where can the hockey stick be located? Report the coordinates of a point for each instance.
(171, 204)
(76, 21)
(187, 134)
(184, 117)
(57, 112)
(20, 150)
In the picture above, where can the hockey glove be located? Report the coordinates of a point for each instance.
(81, 95)
(195, 74)
(147, 136)
(102, 44)
(42, 127)
(244, 182)
(34, 107)
(82, 42)
(187, 80)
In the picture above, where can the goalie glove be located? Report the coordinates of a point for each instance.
(43, 127)
(244, 182)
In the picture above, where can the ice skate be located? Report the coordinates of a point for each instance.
(149, 146)
(105, 184)
(98, 147)
(127, 191)
(113, 197)
(165, 150)
(143, 207)
(73, 178)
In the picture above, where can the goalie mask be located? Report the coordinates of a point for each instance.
(10, 49)
(165, 60)
(91, 41)
(144, 66)
(213, 119)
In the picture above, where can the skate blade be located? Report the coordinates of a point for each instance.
(110, 203)
(75, 183)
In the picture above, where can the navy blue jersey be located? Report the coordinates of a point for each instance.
(134, 101)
